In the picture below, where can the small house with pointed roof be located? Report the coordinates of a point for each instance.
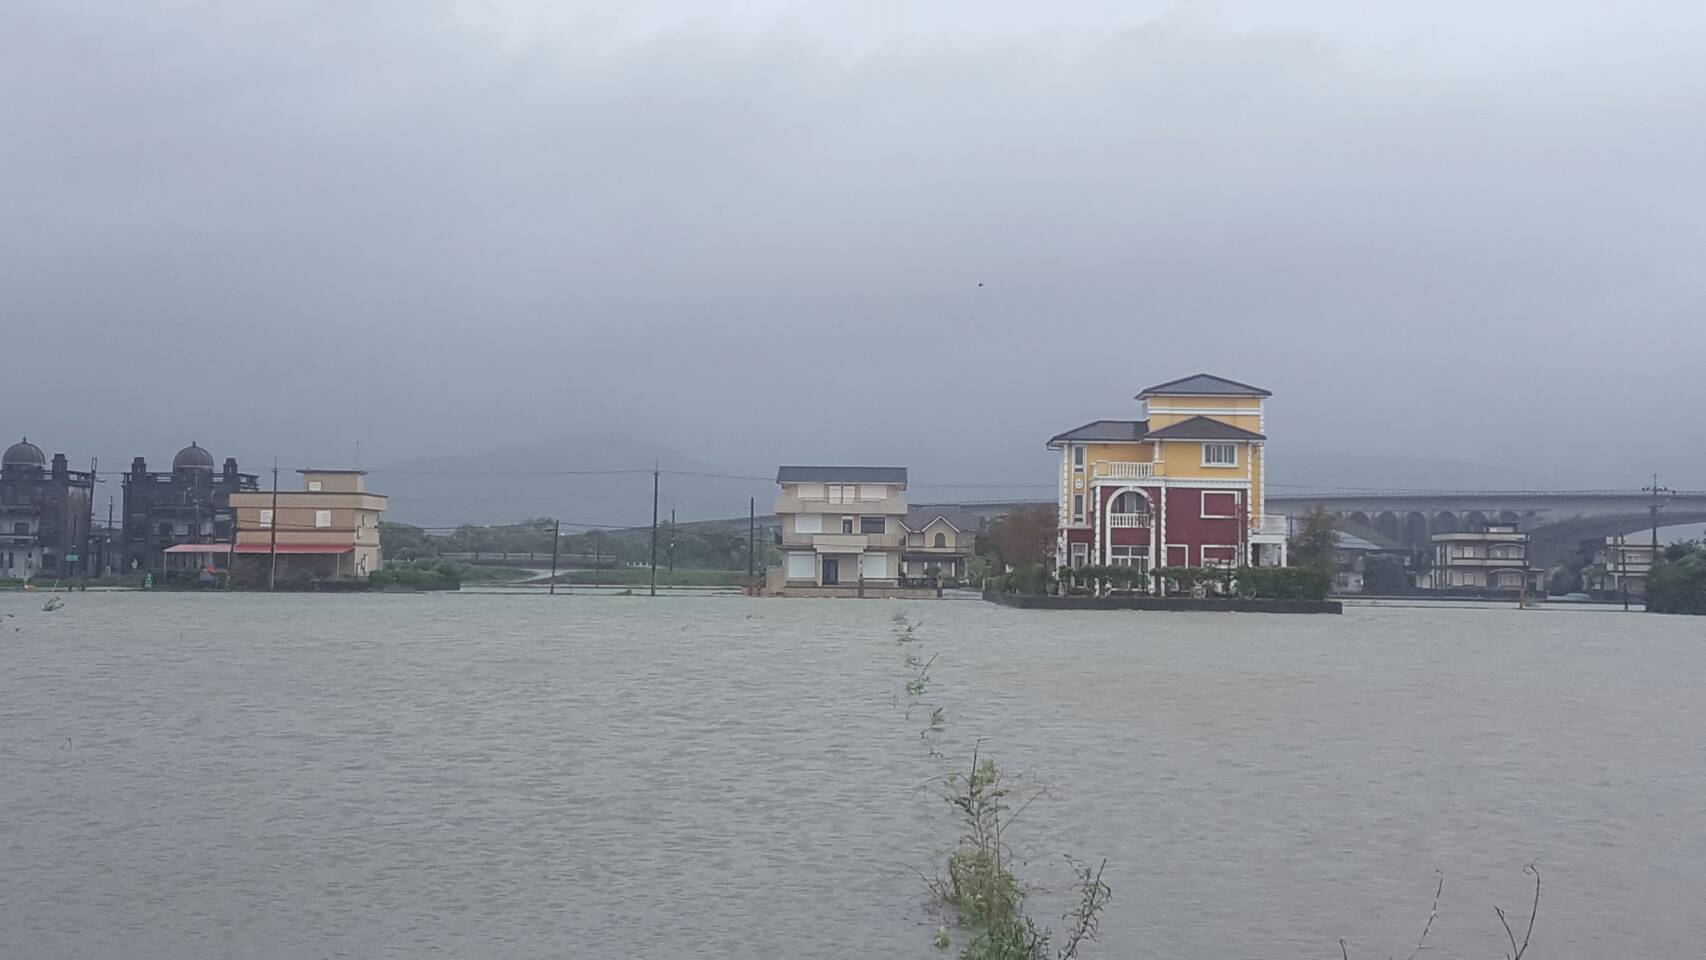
(940, 541)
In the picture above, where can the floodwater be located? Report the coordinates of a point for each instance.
(190, 776)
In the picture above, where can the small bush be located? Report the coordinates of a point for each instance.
(433, 576)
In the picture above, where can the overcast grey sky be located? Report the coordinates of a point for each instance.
(755, 232)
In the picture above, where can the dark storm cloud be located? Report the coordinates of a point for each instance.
(758, 234)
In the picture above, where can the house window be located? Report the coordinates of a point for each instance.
(808, 523)
(1078, 458)
(873, 491)
(872, 525)
(802, 566)
(1080, 555)
(21, 528)
(1222, 556)
(1128, 502)
(875, 567)
(1219, 505)
(941, 540)
(313, 486)
(846, 524)
(1078, 508)
(1220, 454)
(1128, 556)
(266, 518)
(322, 518)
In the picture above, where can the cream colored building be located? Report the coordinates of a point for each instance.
(328, 530)
(843, 531)
(940, 542)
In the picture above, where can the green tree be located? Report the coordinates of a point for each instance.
(402, 541)
(1677, 583)
(1315, 546)
(1384, 574)
(1023, 537)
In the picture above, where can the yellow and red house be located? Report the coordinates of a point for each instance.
(1181, 486)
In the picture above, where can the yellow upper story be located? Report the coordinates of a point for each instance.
(1242, 412)
(1199, 427)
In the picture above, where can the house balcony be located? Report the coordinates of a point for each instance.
(1271, 525)
(830, 542)
(892, 506)
(1112, 470)
(1126, 521)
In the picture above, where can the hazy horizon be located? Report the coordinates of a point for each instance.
(1456, 240)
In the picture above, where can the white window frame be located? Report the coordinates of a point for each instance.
(808, 523)
(1202, 554)
(801, 565)
(1080, 553)
(266, 518)
(1127, 555)
(1078, 508)
(1079, 452)
(322, 519)
(1234, 494)
(1219, 445)
(314, 486)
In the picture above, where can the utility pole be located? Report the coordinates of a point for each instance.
(556, 535)
(107, 544)
(751, 535)
(1623, 571)
(272, 569)
(89, 529)
(671, 539)
(597, 557)
(1653, 510)
(231, 554)
(654, 530)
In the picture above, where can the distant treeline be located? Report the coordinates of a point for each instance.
(695, 547)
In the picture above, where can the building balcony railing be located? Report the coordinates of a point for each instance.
(1128, 520)
(1271, 525)
(1110, 470)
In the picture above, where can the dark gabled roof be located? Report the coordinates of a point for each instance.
(1104, 431)
(1205, 384)
(917, 518)
(841, 475)
(1202, 428)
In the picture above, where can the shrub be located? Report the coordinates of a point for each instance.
(1678, 581)
(1282, 583)
(434, 576)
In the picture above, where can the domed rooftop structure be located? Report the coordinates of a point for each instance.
(23, 454)
(193, 457)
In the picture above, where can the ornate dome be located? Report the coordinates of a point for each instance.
(23, 454)
(192, 457)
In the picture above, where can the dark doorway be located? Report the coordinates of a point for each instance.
(831, 571)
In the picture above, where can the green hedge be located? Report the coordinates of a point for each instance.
(1265, 583)
(423, 575)
(1282, 583)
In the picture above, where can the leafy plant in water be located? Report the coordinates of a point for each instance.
(981, 889)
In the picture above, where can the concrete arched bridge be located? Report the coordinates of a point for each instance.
(1556, 519)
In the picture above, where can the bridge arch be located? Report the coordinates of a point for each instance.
(1474, 520)
(1387, 523)
(1358, 517)
(1415, 527)
(1445, 522)
(1511, 516)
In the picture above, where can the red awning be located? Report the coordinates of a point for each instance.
(321, 548)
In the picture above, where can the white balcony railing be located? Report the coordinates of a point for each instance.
(1125, 471)
(1128, 520)
(1273, 525)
